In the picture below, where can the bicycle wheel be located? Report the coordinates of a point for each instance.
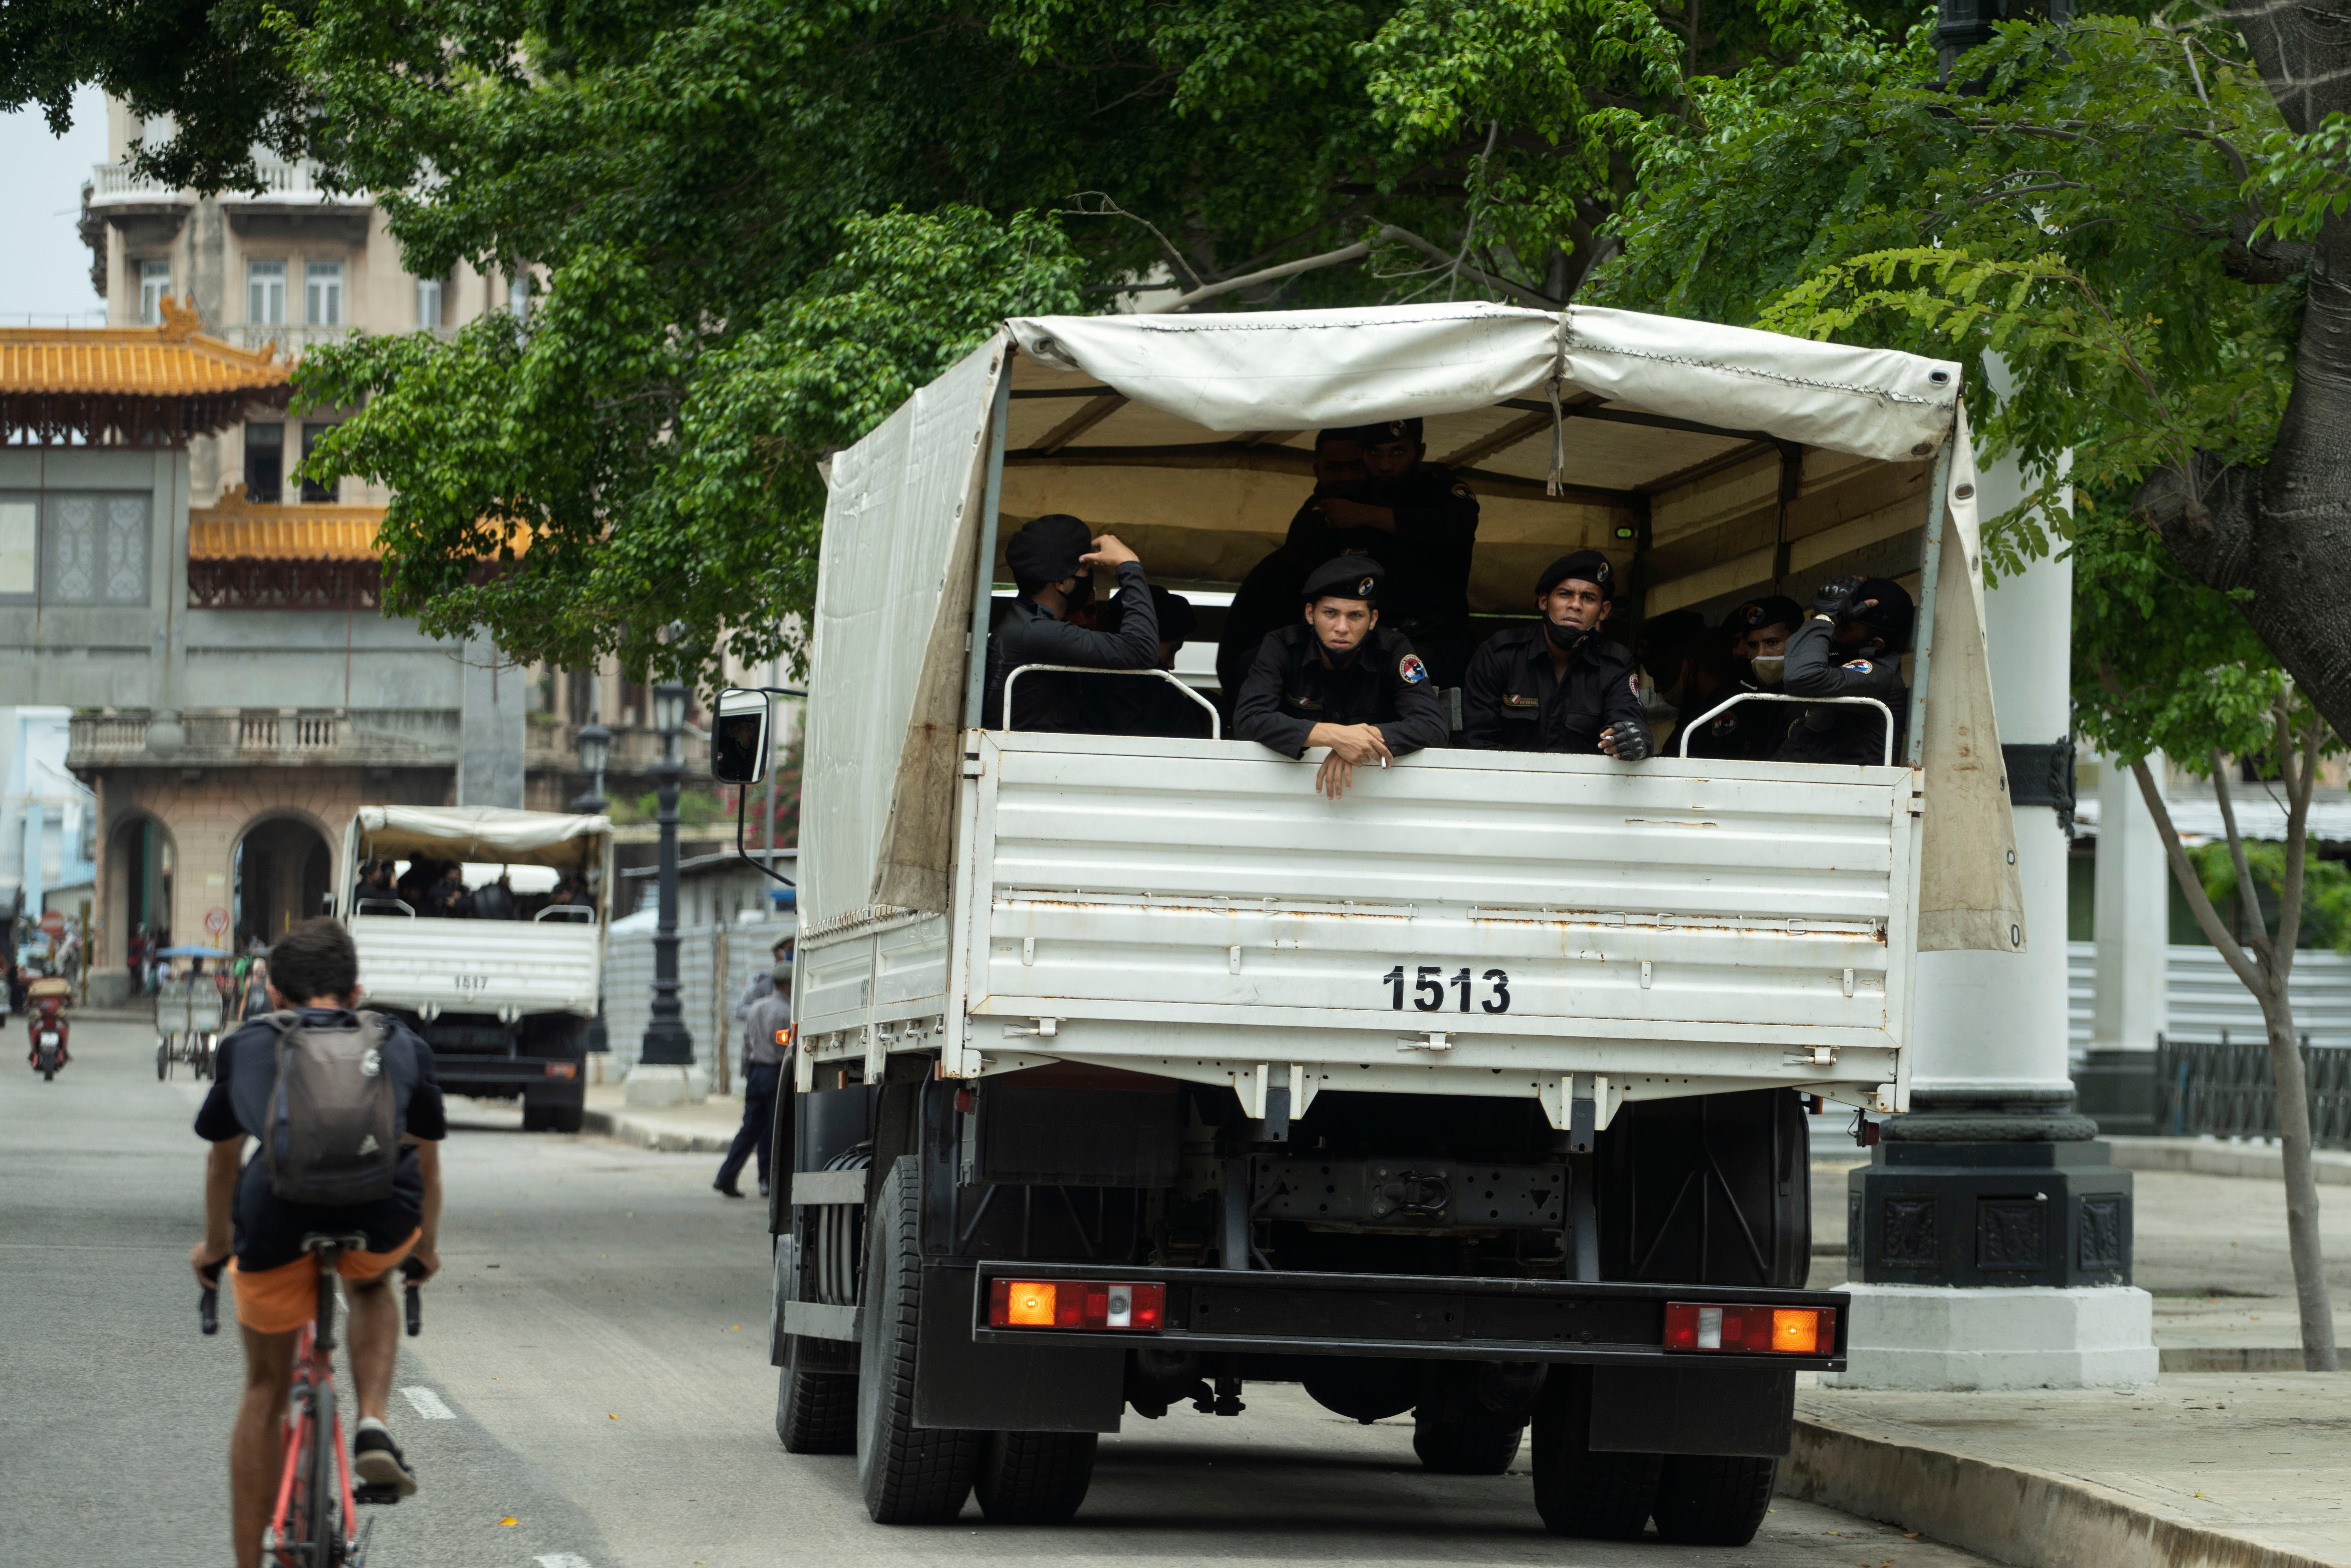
(325, 1483)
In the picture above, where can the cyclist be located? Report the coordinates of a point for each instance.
(314, 969)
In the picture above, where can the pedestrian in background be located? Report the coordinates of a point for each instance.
(766, 1029)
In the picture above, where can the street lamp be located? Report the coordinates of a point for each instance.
(667, 1047)
(595, 744)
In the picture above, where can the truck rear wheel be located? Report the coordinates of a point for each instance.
(1457, 1443)
(557, 1117)
(910, 1474)
(1709, 1499)
(816, 1412)
(1594, 1495)
(1034, 1477)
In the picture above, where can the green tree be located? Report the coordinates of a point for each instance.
(2162, 663)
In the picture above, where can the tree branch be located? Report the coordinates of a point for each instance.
(1522, 294)
(1354, 252)
(2192, 886)
(2248, 896)
(2299, 773)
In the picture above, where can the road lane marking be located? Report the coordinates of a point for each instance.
(428, 1403)
(563, 1560)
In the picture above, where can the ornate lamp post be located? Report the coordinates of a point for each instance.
(595, 743)
(665, 1073)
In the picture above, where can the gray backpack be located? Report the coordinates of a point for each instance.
(334, 1129)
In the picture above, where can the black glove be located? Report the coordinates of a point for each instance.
(1632, 741)
(1834, 599)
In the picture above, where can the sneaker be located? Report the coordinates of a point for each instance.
(762, 1189)
(376, 1461)
(728, 1187)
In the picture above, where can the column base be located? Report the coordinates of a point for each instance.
(651, 1085)
(1955, 1338)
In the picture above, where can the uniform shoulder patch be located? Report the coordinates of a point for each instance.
(1411, 669)
(1864, 665)
(1513, 699)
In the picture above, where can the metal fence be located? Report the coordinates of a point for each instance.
(2223, 1087)
(714, 964)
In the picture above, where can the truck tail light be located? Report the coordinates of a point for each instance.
(1075, 1304)
(1786, 1330)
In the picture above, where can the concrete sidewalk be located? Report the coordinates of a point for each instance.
(2207, 1470)
(704, 1129)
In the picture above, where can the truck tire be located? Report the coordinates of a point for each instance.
(1034, 1477)
(1580, 1492)
(1710, 1499)
(1457, 1443)
(909, 1475)
(555, 1118)
(816, 1412)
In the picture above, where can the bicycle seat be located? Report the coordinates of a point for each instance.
(316, 1241)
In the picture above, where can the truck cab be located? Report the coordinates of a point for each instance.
(1130, 1070)
(499, 971)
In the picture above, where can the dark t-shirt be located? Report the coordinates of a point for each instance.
(268, 1229)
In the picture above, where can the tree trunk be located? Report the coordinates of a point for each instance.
(2283, 530)
(2310, 1294)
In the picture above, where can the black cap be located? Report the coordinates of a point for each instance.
(1771, 610)
(1891, 616)
(1584, 566)
(1047, 548)
(1348, 577)
(1177, 621)
(1372, 434)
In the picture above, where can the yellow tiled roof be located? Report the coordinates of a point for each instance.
(234, 528)
(173, 359)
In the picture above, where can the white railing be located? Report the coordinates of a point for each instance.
(292, 342)
(280, 180)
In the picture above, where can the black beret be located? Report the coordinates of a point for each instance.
(1584, 566)
(1177, 621)
(1047, 548)
(1348, 577)
(1771, 610)
(1891, 616)
(1372, 434)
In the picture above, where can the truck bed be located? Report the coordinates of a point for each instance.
(480, 966)
(1465, 923)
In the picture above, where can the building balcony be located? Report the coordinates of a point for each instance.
(282, 183)
(268, 737)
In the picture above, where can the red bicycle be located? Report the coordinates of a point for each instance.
(313, 1525)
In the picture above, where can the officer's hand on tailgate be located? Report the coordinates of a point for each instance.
(1351, 742)
(1108, 551)
(1629, 746)
(1834, 599)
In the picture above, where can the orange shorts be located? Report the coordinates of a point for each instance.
(281, 1299)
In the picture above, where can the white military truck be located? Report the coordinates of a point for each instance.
(504, 1002)
(1130, 1070)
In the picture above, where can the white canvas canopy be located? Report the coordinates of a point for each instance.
(1711, 463)
(495, 834)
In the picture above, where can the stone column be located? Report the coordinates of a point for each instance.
(2133, 1006)
(1988, 1238)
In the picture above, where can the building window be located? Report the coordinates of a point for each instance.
(322, 290)
(96, 550)
(428, 302)
(313, 492)
(154, 283)
(20, 548)
(265, 463)
(265, 293)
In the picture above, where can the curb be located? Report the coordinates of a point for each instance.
(2330, 1168)
(621, 1127)
(2006, 1512)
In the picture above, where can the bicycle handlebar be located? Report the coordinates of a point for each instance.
(208, 1304)
(414, 1271)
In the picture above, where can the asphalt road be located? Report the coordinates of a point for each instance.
(597, 1343)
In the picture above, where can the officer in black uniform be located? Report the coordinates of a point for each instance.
(1850, 645)
(1431, 517)
(1053, 559)
(1338, 678)
(1267, 599)
(1560, 686)
(1147, 705)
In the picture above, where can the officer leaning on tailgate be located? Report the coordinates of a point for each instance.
(1336, 679)
(1560, 686)
(1850, 645)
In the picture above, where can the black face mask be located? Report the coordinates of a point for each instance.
(1568, 639)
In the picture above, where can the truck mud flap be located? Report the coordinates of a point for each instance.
(1421, 1317)
(1007, 1387)
(1682, 1407)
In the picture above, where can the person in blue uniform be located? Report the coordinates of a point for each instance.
(1338, 678)
(1850, 645)
(1559, 687)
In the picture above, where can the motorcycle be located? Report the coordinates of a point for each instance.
(45, 1023)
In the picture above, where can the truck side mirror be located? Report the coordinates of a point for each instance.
(739, 738)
